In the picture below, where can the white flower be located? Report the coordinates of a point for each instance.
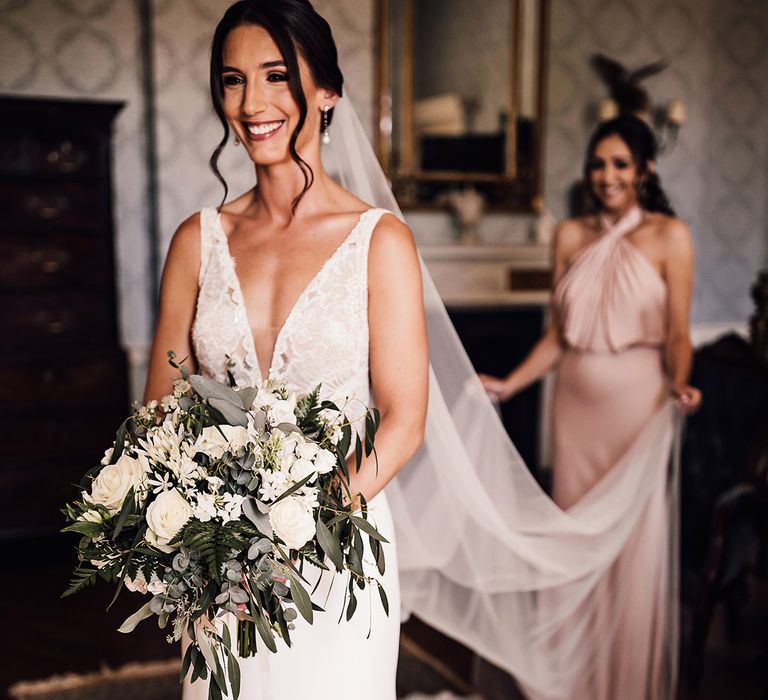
(273, 484)
(186, 470)
(140, 585)
(107, 458)
(205, 508)
(307, 450)
(169, 403)
(237, 435)
(181, 387)
(232, 507)
(91, 516)
(114, 481)
(216, 440)
(282, 412)
(325, 461)
(301, 469)
(166, 515)
(292, 522)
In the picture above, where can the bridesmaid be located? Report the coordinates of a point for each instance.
(620, 343)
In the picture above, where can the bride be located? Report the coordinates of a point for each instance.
(299, 280)
(303, 281)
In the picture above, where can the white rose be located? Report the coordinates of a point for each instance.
(301, 469)
(307, 450)
(112, 484)
(292, 522)
(237, 435)
(325, 461)
(211, 442)
(282, 412)
(215, 441)
(166, 515)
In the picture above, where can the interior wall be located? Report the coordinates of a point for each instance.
(717, 174)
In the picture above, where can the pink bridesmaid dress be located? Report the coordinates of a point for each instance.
(612, 308)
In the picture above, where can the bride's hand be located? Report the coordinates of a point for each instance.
(496, 388)
(687, 399)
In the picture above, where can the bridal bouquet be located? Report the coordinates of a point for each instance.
(212, 502)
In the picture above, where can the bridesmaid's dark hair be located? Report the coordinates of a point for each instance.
(641, 142)
(293, 25)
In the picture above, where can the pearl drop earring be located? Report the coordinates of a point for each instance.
(326, 135)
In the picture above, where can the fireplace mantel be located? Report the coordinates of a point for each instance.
(490, 275)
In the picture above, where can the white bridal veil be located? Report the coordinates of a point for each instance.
(485, 556)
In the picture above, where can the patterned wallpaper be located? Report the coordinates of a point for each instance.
(90, 49)
(717, 175)
(188, 130)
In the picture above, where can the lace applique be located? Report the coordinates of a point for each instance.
(323, 340)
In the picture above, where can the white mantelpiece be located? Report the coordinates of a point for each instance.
(479, 275)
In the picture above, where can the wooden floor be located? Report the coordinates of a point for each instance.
(45, 635)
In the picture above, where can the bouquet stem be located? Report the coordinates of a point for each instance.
(246, 638)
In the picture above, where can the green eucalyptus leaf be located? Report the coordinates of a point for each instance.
(129, 503)
(232, 413)
(234, 675)
(367, 528)
(301, 598)
(83, 527)
(247, 394)
(351, 606)
(329, 544)
(142, 613)
(210, 389)
(257, 517)
(293, 488)
(384, 601)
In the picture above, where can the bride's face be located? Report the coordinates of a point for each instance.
(613, 174)
(258, 103)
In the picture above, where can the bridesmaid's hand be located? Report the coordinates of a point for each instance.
(687, 399)
(497, 389)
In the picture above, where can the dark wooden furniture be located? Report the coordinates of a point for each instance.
(724, 493)
(498, 338)
(63, 377)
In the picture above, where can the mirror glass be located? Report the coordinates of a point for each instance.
(460, 98)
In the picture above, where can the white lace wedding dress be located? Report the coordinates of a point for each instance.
(323, 340)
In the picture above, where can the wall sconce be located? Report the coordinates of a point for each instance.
(629, 96)
(667, 120)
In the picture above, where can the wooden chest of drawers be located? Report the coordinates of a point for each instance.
(63, 376)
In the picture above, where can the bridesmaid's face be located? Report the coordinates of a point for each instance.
(613, 174)
(258, 103)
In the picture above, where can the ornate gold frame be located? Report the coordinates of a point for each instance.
(405, 180)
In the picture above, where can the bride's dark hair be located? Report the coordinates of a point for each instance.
(640, 140)
(293, 25)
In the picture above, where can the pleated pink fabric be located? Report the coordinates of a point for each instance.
(612, 309)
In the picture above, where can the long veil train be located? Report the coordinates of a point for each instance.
(485, 555)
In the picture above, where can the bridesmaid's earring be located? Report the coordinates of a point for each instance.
(326, 135)
(236, 141)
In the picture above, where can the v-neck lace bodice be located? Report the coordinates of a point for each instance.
(324, 339)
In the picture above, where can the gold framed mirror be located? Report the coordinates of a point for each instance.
(461, 100)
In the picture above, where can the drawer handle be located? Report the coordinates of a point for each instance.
(66, 158)
(50, 261)
(47, 208)
(50, 323)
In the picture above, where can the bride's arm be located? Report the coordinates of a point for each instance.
(178, 299)
(398, 353)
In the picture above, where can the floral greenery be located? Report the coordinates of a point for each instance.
(212, 501)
